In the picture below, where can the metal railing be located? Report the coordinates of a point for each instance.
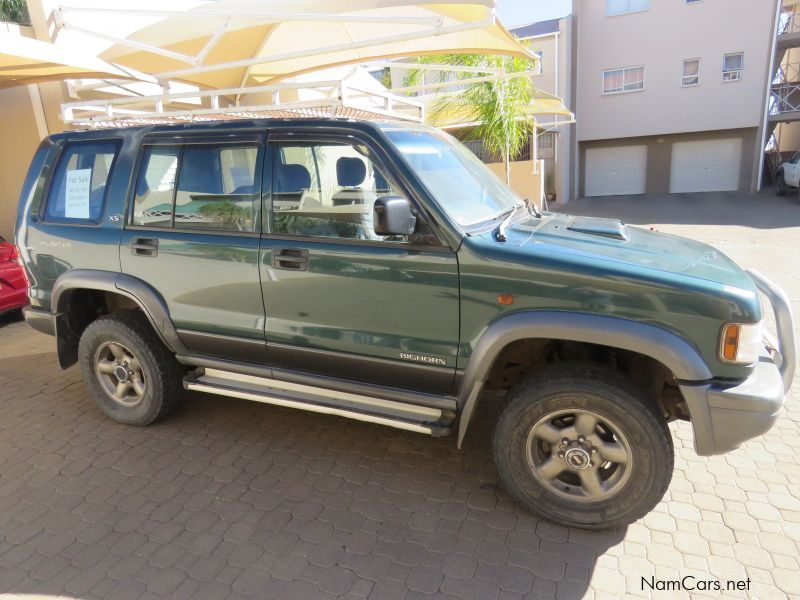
(785, 94)
(478, 148)
(784, 98)
(788, 22)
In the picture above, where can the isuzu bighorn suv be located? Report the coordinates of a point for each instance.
(381, 272)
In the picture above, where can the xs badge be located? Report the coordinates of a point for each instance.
(428, 360)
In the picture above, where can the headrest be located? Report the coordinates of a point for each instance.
(350, 171)
(291, 179)
(200, 170)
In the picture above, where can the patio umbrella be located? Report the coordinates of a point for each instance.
(235, 43)
(542, 105)
(24, 60)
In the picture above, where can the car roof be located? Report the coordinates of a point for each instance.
(228, 125)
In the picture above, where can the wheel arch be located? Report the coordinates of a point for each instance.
(133, 290)
(674, 352)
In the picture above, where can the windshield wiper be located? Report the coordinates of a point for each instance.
(500, 230)
(532, 209)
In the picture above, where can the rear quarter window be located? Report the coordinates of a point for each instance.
(78, 189)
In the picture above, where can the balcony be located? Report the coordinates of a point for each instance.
(784, 103)
(788, 31)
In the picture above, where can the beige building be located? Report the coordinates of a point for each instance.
(25, 122)
(551, 41)
(670, 95)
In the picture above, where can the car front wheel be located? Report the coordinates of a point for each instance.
(578, 445)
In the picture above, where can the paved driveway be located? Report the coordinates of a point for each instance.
(235, 499)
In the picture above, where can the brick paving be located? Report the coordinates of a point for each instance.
(235, 499)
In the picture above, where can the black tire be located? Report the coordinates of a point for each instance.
(157, 368)
(556, 390)
(780, 185)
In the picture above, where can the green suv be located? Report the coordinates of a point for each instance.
(379, 271)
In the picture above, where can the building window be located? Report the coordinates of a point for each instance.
(621, 7)
(617, 81)
(691, 72)
(732, 65)
(546, 145)
(539, 65)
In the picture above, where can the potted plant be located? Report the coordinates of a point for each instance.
(549, 186)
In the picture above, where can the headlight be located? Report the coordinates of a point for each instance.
(741, 342)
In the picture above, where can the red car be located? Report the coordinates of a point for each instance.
(13, 284)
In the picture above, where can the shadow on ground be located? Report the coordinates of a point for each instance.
(762, 211)
(230, 498)
(12, 316)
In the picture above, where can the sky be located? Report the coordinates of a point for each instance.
(522, 12)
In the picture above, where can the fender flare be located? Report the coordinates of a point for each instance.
(148, 299)
(668, 348)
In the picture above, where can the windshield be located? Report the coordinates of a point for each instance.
(460, 183)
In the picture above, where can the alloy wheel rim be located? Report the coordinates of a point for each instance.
(120, 374)
(579, 455)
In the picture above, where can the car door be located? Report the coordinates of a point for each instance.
(193, 235)
(340, 300)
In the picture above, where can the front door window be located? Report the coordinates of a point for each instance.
(328, 190)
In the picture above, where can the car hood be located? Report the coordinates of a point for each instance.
(612, 241)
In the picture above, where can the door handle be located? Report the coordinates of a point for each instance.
(293, 259)
(144, 246)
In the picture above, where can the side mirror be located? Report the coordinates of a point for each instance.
(392, 215)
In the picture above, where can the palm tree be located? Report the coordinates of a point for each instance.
(14, 11)
(499, 107)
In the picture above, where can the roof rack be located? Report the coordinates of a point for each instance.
(310, 99)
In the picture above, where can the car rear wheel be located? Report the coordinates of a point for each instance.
(780, 185)
(129, 373)
(578, 445)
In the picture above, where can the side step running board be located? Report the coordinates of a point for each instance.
(411, 417)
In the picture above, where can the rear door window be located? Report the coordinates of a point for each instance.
(78, 189)
(199, 186)
(155, 187)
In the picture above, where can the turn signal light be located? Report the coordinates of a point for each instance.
(741, 342)
(505, 299)
(730, 342)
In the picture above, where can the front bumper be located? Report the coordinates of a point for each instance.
(725, 417)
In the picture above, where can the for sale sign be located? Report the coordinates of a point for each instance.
(78, 192)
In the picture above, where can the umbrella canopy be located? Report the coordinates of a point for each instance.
(234, 43)
(542, 105)
(24, 60)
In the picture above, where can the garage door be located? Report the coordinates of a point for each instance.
(706, 166)
(615, 171)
